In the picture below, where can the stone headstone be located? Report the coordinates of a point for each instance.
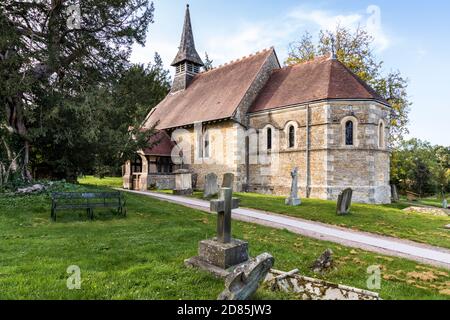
(447, 227)
(344, 202)
(223, 253)
(228, 180)
(293, 199)
(445, 204)
(244, 281)
(394, 193)
(194, 181)
(324, 262)
(183, 182)
(211, 185)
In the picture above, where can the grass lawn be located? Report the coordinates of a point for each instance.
(141, 256)
(430, 201)
(387, 220)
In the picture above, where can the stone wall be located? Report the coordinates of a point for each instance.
(161, 181)
(225, 153)
(333, 166)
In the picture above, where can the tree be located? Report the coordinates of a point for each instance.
(102, 128)
(354, 50)
(131, 98)
(442, 168)
(208, 63)
(420, 167)
(51, 58)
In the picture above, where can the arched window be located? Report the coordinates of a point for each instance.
(349, 133)
(381, 135)
(291, 132)
(269, 139)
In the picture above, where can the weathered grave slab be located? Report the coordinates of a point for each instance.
(315, 289)
(211, 185)
(228, 180)
(245, 280)
(183, 182)
(324, 262)
(344, 202)
(394, 193)
(438, 212)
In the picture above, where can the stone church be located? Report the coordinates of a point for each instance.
(259, 120)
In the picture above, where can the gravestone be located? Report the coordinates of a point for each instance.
(228, 180)
(394, 193)
(293, 199)
(222, 254)
(194, 181)
(324, 262)
(445, 204)
(344, 202)
(183, 182)
(243, 282)
(211, 185)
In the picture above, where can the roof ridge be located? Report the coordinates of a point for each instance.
(231, 62)
(321, 58)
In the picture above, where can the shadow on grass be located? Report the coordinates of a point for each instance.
(70, 216)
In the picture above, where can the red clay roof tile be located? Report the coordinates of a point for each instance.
(212, 95)
(320, 79)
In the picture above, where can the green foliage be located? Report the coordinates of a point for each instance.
(55, 79)
(354, 49)
(420, 167)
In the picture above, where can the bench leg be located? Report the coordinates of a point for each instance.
(53, 214)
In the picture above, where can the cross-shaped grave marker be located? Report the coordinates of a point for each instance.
(223, 207)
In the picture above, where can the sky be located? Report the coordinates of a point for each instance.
(410, 36)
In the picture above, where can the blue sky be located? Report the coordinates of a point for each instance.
(411, 36)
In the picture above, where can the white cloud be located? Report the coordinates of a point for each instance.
(325, 20)
(244, 38)
(279, 32)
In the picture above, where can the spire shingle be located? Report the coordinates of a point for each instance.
(187, 50)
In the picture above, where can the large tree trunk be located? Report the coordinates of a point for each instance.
(16, 126)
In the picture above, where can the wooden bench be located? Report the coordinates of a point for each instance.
(87, 201)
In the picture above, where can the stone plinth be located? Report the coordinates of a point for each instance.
(183, 182)
(294, 202)
(219, 258)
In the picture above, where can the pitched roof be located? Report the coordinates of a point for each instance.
(319, 79)
(163, 146)
(212, 95)
(187, 51)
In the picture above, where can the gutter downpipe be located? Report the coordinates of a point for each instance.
(308, 151)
